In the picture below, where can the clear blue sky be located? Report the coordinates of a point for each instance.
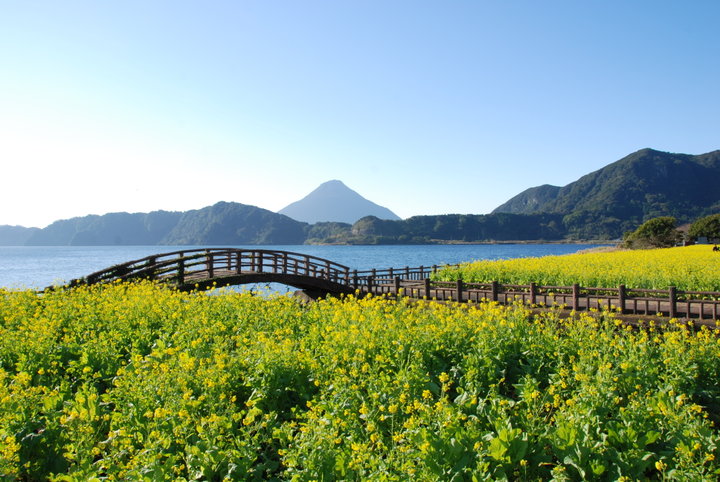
(425, 107)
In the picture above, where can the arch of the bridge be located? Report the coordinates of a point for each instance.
(201, 268)
(307, 283)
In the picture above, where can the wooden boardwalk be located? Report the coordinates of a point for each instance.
(203, 268)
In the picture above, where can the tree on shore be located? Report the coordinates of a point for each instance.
(708, 227)
(654, 233)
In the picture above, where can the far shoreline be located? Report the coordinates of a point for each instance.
(473, 243)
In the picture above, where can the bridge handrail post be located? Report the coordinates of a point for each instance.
(327, 270)
(427, 288)
(370, 283)
(238, 257)
(622, 295)
(397, 286)
(494, 290)
(407, 272)
(209, 262)
(260, 261)
(533, 293)
(576, 296)
(672, 296)
(459, 289)
(181, 270)
(151, 268)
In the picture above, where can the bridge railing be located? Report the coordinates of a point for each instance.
(154, 266)
(185, 266)
(285, 262)
(378, 281)
(671, 302)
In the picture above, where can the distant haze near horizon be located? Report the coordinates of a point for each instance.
(422, 107)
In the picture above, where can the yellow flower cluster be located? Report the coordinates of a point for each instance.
(138, 381)
(692, 268)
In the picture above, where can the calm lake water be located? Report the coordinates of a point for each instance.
(41, 266)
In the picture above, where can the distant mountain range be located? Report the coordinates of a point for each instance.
(222, 223)
(333, 201)
(15, 235)
(599, 206)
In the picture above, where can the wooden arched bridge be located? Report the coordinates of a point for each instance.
(204, 268)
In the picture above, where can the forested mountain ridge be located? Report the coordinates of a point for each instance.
(622, 195)
(460, 228)
(15, 235)
(222, 223)
(232, 224)
(237, 224)
(529, 201)
(107, 230)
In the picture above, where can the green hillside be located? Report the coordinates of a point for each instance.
(231, 224)
(449, 228)
(620, 196)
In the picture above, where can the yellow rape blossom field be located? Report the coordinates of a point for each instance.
(141, 382)
(690, 268)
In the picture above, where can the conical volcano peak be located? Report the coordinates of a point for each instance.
(333, 201)
(332, 186)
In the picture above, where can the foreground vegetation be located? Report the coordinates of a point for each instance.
(134, 381)
(692, 268)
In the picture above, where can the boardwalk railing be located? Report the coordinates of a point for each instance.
(671, 302)
(186, 268)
